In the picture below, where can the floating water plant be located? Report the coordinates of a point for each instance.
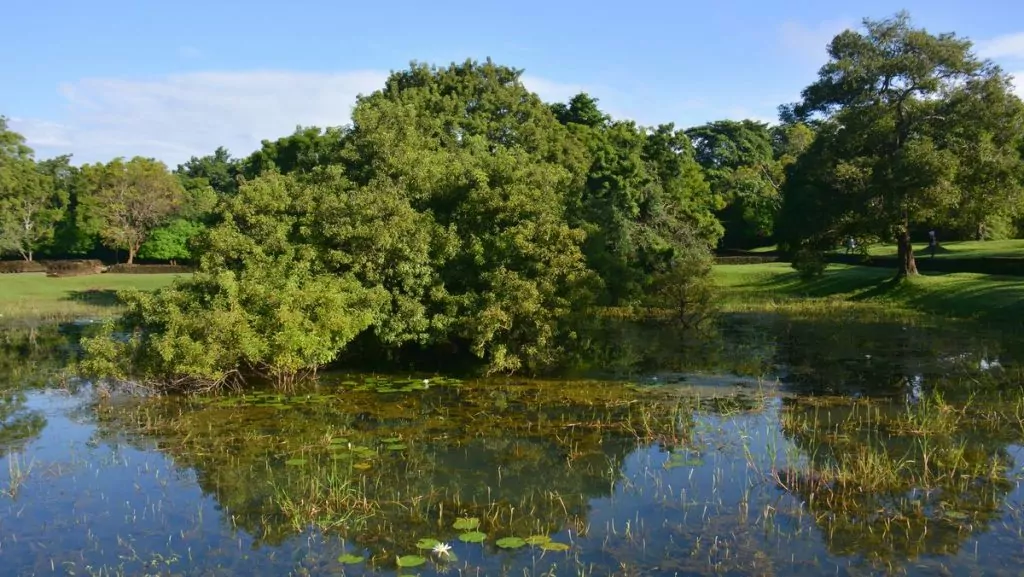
(537, 540)
(510, 543)
(407, 561)
(295, 462)
(554, 546)
(427, 543)
(350, 559)
(473, 537)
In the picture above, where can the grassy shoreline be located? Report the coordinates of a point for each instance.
(777, 287)
(35, 296)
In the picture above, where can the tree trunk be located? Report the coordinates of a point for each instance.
(908, 266)
(29, 255)
(131, 254)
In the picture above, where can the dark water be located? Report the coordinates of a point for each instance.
(772, 446)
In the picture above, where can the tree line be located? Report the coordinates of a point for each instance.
(458, 210)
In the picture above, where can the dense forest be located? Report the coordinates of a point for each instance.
(459, 210)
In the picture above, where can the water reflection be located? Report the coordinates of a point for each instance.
(730, 452)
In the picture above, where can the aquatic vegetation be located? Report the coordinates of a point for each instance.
(661, 472)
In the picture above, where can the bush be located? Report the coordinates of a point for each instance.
(277, 321)
(809, 263)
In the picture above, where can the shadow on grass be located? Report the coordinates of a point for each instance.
(96, 297)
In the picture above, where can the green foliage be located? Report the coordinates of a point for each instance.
(171, 241)
(127, 200)
(31, 198)
(274, 318)
(913, 129)
(218, 171)
(809, 263)
(456, 210)
(643, 190)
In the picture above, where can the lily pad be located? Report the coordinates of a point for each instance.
(396, 447)
(295, 462)
(510, 543)
(466, 523)
(339, 441)
(427, 543)
(362, 466)
(554, 546)
(350, 559)
(537, 540)
(411, 561)
(473, 537)
(390, 440)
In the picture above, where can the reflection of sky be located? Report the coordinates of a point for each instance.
(96, 504)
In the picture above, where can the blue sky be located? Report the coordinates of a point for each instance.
(171, 79)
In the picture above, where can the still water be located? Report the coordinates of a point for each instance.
(773, 446)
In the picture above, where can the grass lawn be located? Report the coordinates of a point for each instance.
(36, 296)
(960, 249)
(962, 295)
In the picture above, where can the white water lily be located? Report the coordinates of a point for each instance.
(442, 549)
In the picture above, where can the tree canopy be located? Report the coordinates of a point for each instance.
(458, 212)
(912, 127)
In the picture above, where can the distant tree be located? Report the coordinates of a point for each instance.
(31, 203)
(171, 242)
(218, 170)
(302, 151)
(911, 125)
(130, 199)
(739, 162)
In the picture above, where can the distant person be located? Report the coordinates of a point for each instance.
(933, 242)
(850, 244)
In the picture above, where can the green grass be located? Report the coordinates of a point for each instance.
(776, 286)
(960, 249)
(36, 296)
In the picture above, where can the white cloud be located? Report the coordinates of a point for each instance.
(552, 91)
(810, 43)
(174, 117)
(1018, 82)
(1009, 46)
(177, 116)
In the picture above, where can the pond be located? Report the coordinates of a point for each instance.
(773, 445)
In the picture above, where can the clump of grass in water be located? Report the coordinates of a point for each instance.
(907, 481)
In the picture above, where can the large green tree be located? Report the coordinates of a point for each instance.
(31, 202)
(642, 195)
(128, 199)
(911, 125)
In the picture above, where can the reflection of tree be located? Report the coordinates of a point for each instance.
(892, 483)
(29, 357)
(850, 353)
(525, 458)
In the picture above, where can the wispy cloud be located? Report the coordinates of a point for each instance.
(1008, 46)
(1018, 82)
(176, 116)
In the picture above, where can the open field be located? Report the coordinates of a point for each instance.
(961, 295)
(960, 249)
(36, 296)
